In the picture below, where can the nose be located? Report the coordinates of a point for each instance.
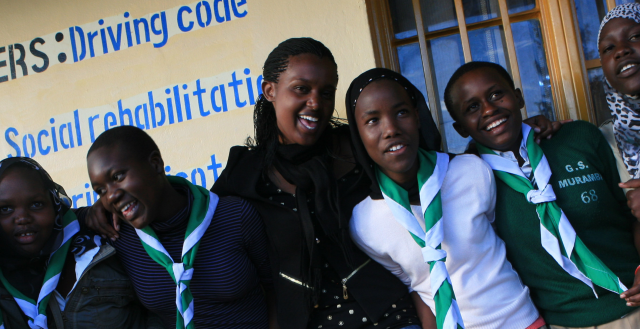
(488, 109)
(22, 217)
(314, 101)
(390, 128)
(113, 194)
(622, 51)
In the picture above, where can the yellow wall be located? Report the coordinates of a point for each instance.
(93, 86)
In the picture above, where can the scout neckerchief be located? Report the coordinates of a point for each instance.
(433, 167)
(204, 206)
(558, 237)
(36, 311)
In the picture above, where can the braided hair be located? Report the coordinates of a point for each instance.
(266, 132)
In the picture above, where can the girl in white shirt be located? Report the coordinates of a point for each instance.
(428, 218)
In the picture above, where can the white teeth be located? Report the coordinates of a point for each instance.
(26, 234)
(626, 67)
(306, 117)
(496, 123)
(396, 147)
(126, 207)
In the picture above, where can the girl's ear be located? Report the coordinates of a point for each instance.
(269, 90)
(460, 129)
(520, 98)
(155, 159)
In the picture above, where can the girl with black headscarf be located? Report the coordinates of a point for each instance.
(428, 216)
(43, 248)
(298, 173)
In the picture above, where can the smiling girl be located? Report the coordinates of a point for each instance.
(298, 173)
(619, 47)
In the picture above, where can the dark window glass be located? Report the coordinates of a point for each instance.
(590, 13)
(532, 64)
(446, 57)
(517, 6)
(438, 14)
(598, 96)
(487, 45)
(480, 10)
(404, 22)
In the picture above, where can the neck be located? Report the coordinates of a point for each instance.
(405, 179)
(515, 148)
(173, 202)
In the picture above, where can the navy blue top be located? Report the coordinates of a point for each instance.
(230, 266)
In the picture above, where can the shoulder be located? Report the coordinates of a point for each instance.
(579, 129)
(468, 166)
(236, 209)
(233, 205)
(367, 212)
(238, 154)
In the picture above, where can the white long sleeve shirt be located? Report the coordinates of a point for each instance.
(488, 291)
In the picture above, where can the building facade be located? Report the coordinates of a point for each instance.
(189, 72)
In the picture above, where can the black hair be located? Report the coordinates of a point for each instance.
(466, 68)
(135, 140)
(266, 132)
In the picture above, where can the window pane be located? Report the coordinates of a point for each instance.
(590, 13)
(487, 45)
(438, 14)
(480, 10)
(446, 57)
(534, 72)
(516, 6)
(411, 66)
(619, 2)
(404, 22)
(598, 96)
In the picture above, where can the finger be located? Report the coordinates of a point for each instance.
(632, 183)
(116, 222)
(631, 293)
(565, 121)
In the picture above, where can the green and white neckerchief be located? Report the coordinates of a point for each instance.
(558, 237)
(433, 167)
(202, 210)
(36, 311)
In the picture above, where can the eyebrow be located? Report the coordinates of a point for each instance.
(369, 112)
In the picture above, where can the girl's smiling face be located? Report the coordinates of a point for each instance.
(26, 210)
(619, 49)
(389, 127)
(303, 98)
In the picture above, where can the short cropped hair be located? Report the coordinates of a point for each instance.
(133, 139)
(466, 68)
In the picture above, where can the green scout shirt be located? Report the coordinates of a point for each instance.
(585, 180)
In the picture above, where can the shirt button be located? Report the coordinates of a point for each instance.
(340, 323)
(350, 311)
(329, 317)
(279, 190)
(295, 209)
(364, 319)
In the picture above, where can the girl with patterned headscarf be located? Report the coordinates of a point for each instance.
(49, 265)
(619, 48)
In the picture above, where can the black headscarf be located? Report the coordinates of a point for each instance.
(429, 135)
(26, 272)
